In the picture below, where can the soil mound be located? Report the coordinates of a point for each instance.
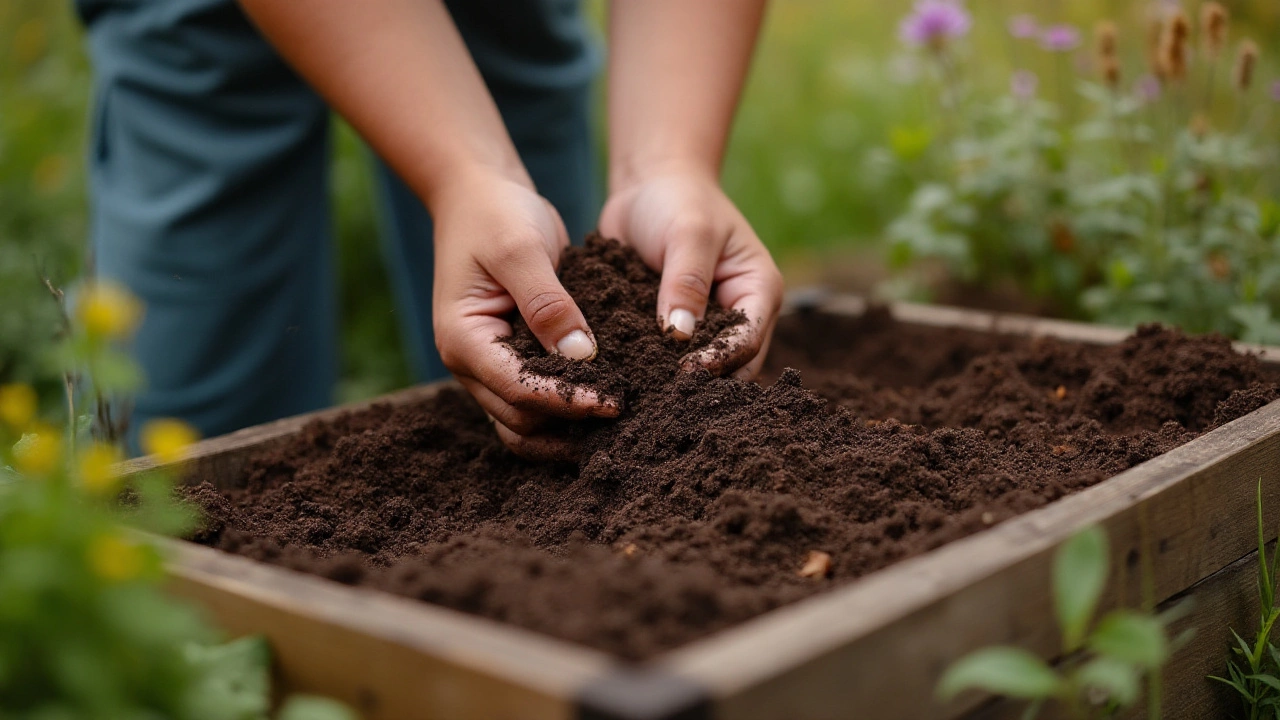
(698, 507)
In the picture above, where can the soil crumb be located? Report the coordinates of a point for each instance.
(707, 501)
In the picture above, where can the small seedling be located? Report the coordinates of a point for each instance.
(1104, 667)
(1254, 673)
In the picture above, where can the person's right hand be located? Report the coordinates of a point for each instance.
(497, 246)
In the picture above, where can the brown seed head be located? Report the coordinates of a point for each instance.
(1213, 27)
(1173, 47)
(1246, 62)
(1105, 36)
(1110, 71)
(1179, 26)
(1155, 41)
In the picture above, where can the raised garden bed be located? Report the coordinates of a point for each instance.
(930, 557)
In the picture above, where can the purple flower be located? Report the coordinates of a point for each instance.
(1060, 38)
(1275, 91)
(1023, 27)
(1023, 84)
(1148, 88)
(933, 22)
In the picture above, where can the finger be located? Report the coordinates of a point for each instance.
(755, 364)
(753, 285)
(539, 448)
(522, 422)
(688, 268)
(730, 351)
(477, 358)
(527, 272)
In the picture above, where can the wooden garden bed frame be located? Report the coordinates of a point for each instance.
(873, 648)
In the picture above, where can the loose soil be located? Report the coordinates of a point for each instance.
(700, 506)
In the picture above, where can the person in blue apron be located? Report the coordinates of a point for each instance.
(209, 186)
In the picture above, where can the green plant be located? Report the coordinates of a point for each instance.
(1104, 663)
(85, 631)
(1254, 673)
(1125, 197)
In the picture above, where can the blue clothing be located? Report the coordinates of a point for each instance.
(209, 194)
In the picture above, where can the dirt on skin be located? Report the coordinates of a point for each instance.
(698, 507)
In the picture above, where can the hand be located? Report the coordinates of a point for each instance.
(684, 226)
(497, 246)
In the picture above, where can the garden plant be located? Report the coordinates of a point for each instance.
(85, 630)
(1254, 670)
(1123, 185)
(1105, 662)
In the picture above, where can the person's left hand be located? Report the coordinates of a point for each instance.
(684, 226)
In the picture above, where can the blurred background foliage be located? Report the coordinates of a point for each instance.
(834, 137)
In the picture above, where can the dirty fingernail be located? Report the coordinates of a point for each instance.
(682, 322)
(576, 346)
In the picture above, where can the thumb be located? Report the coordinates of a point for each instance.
(688, 269)
(529, 276)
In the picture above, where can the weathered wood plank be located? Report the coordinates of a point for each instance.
(392, 658)
(883, 642)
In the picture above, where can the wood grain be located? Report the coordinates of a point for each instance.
(391, 658)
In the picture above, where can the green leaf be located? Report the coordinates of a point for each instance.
(1268, 680)
(310, 707)
(232, 680)
(1121, 681)
(1079, 575)
(1131, 637)
(1008, 671)
(1244, 646)
(1235, 686)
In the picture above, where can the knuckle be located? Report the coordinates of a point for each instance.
(692, 283)
(548, 308)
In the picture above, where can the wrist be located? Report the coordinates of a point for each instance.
(464, 181)
(629, 170)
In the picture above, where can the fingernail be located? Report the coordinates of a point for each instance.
(576, 346)
(682, 322)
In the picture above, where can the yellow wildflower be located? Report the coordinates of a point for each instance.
(37, 453)
(17, 405)
(97, 468)
(168, 439)
(107, 310)
(114, 558)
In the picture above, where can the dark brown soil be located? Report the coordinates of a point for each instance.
(698, 507)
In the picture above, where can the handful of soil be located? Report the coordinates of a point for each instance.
(712, 500)
(618, 295)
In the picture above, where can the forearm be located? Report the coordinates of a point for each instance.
(676, 71)
(400, 73)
